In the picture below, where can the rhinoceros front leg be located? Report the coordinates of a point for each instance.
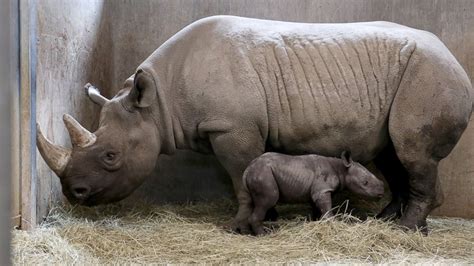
(235, 150)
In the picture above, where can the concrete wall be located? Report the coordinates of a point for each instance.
(68, 55)
(104, 41)
(8, 70)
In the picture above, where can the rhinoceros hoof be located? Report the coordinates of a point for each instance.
(389, 213)
(409, 225)
(260, 231)
(242, 228)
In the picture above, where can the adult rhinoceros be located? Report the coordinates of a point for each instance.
(237, 87)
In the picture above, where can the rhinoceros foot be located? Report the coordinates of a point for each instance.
(241, 227)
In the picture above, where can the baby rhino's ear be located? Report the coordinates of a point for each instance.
(346, 158)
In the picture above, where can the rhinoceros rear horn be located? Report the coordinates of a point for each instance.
(80, 137)
(56, 157)
(95, 95)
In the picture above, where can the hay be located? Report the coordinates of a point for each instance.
(193, 233)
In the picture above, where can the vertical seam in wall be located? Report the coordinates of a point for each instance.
(27, 102)
(33, 58)
(15, 111)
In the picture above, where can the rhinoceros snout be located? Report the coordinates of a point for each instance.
(80, 192)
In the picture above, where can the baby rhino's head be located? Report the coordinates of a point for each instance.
(360, 180)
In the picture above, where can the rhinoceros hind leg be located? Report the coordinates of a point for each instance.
(420, 153)
(429, 113)
(420, 145)
(397, 178)
(420, 148)
(264, 193)
(422, 197)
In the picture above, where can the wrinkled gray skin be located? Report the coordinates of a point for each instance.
(275, 177)
(237, 87)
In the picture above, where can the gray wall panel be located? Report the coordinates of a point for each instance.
(68, 56)
(9, 82)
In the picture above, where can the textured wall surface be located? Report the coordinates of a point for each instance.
(103, 43)
(67, 56)
(8, 68)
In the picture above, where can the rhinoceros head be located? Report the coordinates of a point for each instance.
(360, 180)
(109, 164)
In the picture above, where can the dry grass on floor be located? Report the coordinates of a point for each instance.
(192, 233)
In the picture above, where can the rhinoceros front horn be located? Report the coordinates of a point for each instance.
(56, 157)
(80, 136)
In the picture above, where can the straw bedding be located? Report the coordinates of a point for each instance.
(193, 233)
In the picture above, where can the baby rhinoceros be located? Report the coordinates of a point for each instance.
(275, 177)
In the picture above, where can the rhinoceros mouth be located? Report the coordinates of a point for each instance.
(93, 198)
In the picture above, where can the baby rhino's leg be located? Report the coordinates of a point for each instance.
(264, 192)
(322, 201)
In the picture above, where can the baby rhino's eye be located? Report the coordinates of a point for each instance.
(366, 183)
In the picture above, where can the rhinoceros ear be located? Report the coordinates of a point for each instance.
(346, 158)
(143, 92)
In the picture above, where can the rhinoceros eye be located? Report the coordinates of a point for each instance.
(366, 183)
(110, 155)
(111, 160)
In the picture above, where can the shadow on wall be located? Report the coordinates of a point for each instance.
(186, 176)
